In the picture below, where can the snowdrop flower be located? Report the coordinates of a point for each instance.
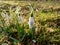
(34, 41)
(36, 10)
(6, 16)
(20, 18)
(7, 19)
(31, 21)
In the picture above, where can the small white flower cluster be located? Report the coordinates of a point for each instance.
(20, 18)
(30, 22)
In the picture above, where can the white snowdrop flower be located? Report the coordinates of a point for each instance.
(6, 16)
(36, 10)
(31, 21)
(20, 18)
(34, 41)
(7, 19)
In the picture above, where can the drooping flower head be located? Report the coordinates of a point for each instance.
(20, 18)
